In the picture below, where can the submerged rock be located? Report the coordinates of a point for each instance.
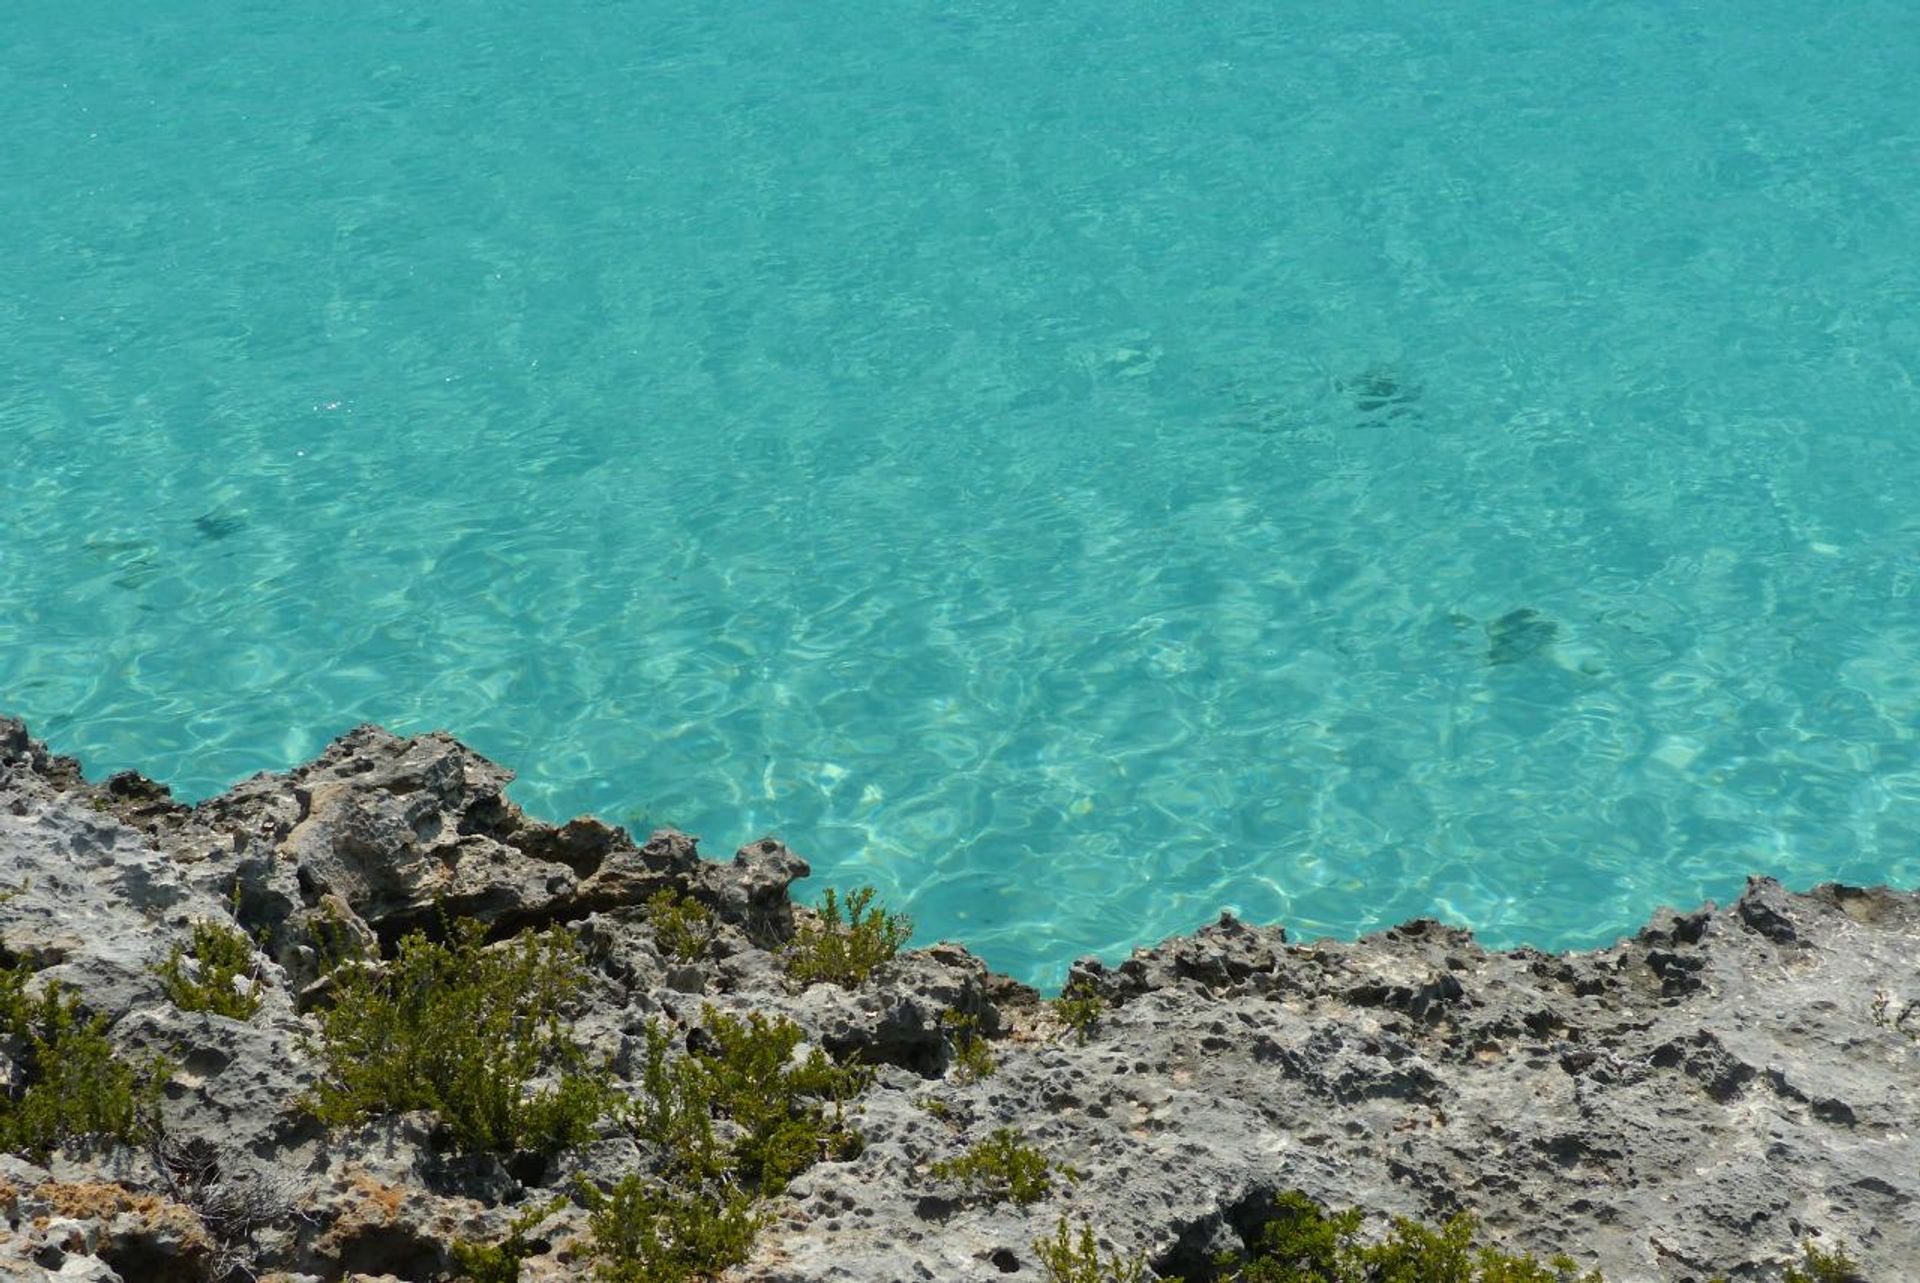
(1695, 1101)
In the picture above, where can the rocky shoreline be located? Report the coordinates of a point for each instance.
(1696, 1101)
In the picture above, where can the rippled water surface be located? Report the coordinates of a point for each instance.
(1075, 466)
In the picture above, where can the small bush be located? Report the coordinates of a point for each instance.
(844, 951)
(645, 1232)
(1004, 1168)
(1419, 1253)
(674, 1109)
(746, 1072)
(681, 924)
(780, 1104)
(1304, 1244)
(463, 1030)
(1070, 1259)
(1079, 1009)
(335, 943)
(500, 1262)
(68, 1084)
(1822, 1267)
(972, 1056)
(216, 972)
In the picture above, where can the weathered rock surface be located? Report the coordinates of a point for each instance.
(1697, 1100)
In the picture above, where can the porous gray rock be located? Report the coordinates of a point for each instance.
(1695, 1101)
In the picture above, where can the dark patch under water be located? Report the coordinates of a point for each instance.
(1381, 393)
(1519, 634)
(215, 526)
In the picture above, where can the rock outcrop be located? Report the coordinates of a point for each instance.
(1695, 1101)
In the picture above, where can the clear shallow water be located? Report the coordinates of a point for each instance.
(1074, 466)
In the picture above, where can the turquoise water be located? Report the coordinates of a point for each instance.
(1075, 466)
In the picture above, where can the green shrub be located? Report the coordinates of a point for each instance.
(1070, 1259)
(681, 924)
(1003, 1168)
(1079, 1009)
(335, 943)
(500, 1262)
(746, 1072)
(216, 972)
(1419, 1254)
(68, 1084)
(646, 1232)
(1303, 1244)
(972, 1056)
(674, 1109)
(703, 1220)
(1822, 1267)
(780, 1104)
(463, 1030)
(844, 951)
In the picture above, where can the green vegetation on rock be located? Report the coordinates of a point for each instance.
(788, 1113)
(972, 1056)
(1071, 1258)
(463, 1030)
(844, 949)
(674, 1110)
(215, 972)
(682, 925)
(334, 943)
(66, 1083)
(1304, 1244)
(1817, 1266)
(1004, 1168)
(1079, 1009)
(500, 1262)
(781, 1106)
(645, 1231)
(783, 1112)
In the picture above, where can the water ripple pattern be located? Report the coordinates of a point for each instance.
(1074, 466)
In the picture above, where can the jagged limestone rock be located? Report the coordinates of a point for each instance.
(1695, 1100)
